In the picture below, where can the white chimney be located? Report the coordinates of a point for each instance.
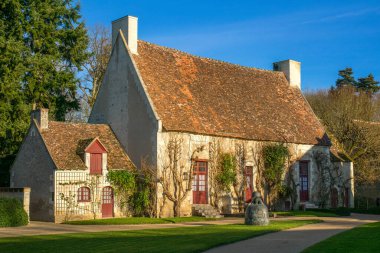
(42, 117)
(292, 71)
(128, 25)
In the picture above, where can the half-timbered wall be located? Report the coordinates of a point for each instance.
(67, 184)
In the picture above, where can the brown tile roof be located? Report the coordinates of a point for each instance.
(66, 141)
(337, 154)
(205, 96)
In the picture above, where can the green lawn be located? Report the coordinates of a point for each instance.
(307, 213)
(184, 239)
(139, 220)
(361, 240)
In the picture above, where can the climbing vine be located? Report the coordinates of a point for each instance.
(124, 184)
(226, 173)
(275, 157)
(240, 182)
(143, 201)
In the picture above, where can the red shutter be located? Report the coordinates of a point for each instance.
(96, 164)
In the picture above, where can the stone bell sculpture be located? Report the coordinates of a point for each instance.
(256, 212)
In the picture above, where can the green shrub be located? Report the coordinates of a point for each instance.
(343, 211)
(226, 175)
(140, 201)
(373, 210)
(340, 211)
(12, 213)
(124, 184)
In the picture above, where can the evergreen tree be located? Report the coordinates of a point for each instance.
(42, 47)
(346, 79)
(368, 84)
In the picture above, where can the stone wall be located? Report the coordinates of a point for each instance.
(22, 194)
(34, 168)
(123, 104)
(347, 181)
(300, 152)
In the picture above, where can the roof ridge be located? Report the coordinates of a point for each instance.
(210, 59)
(371, 122)
(79, 123)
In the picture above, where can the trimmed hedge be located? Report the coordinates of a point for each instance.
(12, 213)
(373, 210)
(340, 211)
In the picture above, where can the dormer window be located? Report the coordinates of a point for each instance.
(97, 153)
(96, 163)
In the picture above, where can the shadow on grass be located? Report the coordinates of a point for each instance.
(363, 239)
(183, 239)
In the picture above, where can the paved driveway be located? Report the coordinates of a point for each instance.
(297, 239)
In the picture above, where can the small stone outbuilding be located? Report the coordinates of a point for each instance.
(66, 166)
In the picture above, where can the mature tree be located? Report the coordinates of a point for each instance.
(348, 116)
(100, 50)
(56, 42)
(13, 110)
(346, 78)
(368, 84)
(42, 47)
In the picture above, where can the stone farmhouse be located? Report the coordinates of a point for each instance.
(152, 95)
(171, 110)
(65, 165)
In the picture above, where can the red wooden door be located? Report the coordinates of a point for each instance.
(96, 164)
(304, 181)
(334, 198)
(107, 202)
(248, 174)
(200, 183)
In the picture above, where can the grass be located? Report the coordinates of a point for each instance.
(307, 214)
(361, 239)
(138, 220)
(183, 239)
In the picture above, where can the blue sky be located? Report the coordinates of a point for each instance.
(325, 36)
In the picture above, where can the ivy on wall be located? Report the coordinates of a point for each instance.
(226, 175)
(275, 157)
(124, 184)
(134, 191)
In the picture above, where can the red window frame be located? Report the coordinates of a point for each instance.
(84, 194)
(304, 180)
(200, 182)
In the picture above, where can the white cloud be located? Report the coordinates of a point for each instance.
(343, 15)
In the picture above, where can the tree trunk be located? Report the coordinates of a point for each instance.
(177, 209)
